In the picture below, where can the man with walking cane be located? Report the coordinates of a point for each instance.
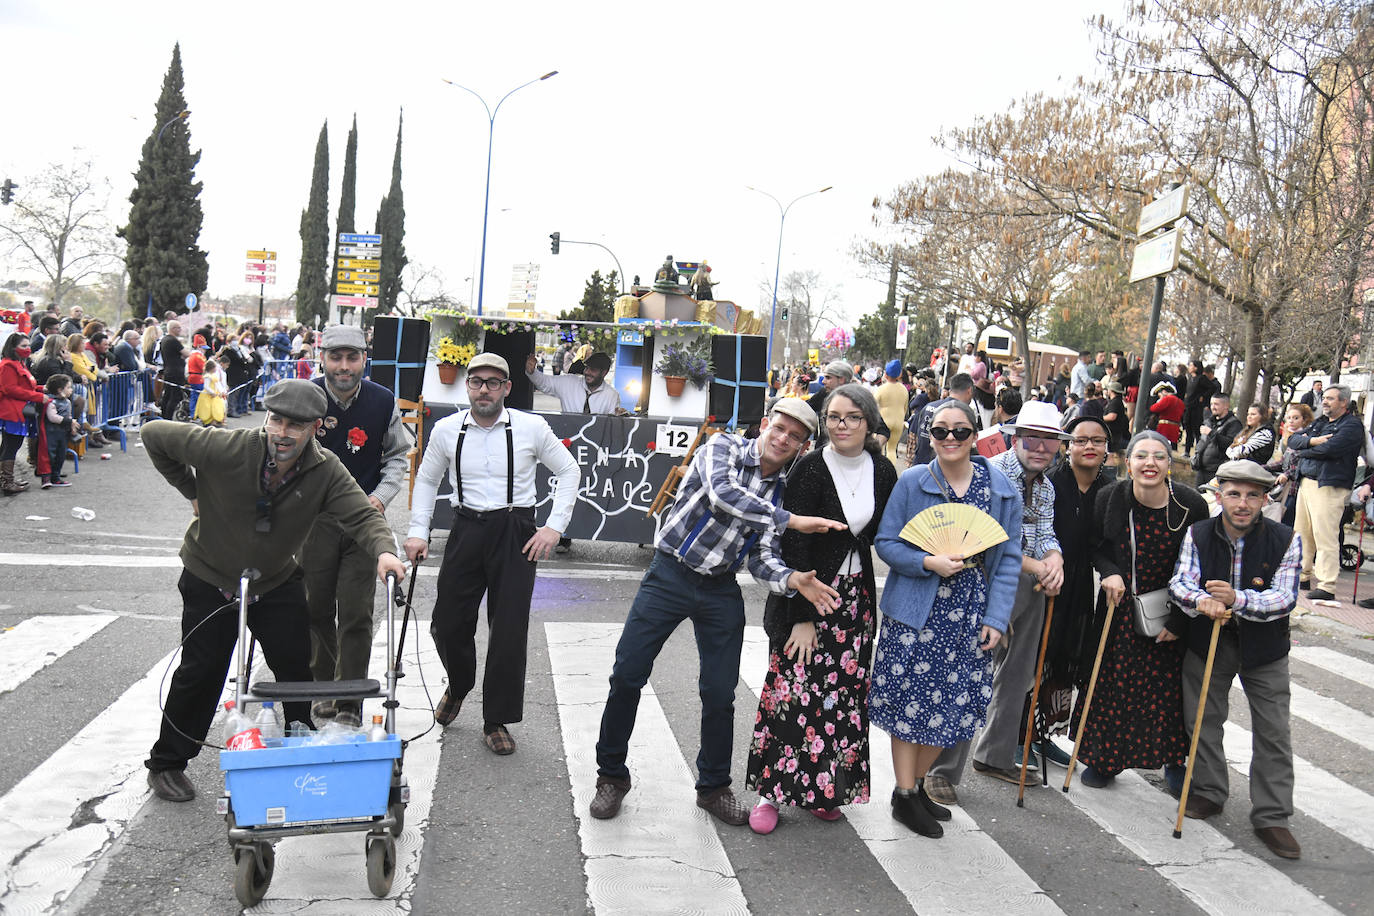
(1238, 572)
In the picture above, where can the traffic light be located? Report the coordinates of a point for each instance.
(7, 191)
(784, 313)
(554, 245)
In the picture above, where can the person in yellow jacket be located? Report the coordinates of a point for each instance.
(85, 373)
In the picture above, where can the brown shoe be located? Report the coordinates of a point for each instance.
(499, 741)
(722, 805)
(1280, 842)
(448, 708)
(1200, 808)
(941, 791)
(609, 794)
(1006, 774)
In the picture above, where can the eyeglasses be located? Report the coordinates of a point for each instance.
(263, 523)
(1159, 457)
(847, 422)
(941, 433)
(791, 438)
(1083, 441)
(287, 425)
(1040, 443)
(477, 383)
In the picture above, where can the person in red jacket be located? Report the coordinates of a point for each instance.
(17, 388)
(1168, 411)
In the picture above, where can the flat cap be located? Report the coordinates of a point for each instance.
(598, 359)
(798, 410)
(1245, 471)
(298, 399)
(338, 336)
(489, 361)
(840, 369)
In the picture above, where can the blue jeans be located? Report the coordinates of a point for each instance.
(669, 594)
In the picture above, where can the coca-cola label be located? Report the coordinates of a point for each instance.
(250, 739)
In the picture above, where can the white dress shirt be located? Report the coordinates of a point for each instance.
(572, 392)
(485, 467)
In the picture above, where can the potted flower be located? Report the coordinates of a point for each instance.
(451, 356)
(680, 363)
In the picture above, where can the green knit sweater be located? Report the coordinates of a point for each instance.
(222, 468)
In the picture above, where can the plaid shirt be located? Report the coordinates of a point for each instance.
(1251, 604)
(725, 506)
(1037, 513)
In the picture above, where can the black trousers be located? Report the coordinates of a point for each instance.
(484, 556)
(282, 626)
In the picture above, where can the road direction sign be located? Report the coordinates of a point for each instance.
(353, 238)
(1157, 256)
(360, 264)
(1167, 209)
(358, 276)
(358, 289)
(261, 267)
(357, 302)
(262, 255)
(269, 279)
(359, 251)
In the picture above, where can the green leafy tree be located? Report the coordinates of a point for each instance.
(598, 304)
(163, 233)
(875, 336)
(391, 223)
(348, 196)
(312, 286)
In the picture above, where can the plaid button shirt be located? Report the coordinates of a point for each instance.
(1254, 604)
(725, 507)
(1037, 514)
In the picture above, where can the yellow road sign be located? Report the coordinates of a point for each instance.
(358, 276)
(360, 263)
(262, 255)
(358, 289)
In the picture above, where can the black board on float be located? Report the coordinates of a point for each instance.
(740, 384)
(400, 347)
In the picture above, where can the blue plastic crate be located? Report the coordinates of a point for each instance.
(299, 782)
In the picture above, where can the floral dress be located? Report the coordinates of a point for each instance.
(810, 746)
(932, 686)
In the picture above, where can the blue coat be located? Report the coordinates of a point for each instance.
(910, 590)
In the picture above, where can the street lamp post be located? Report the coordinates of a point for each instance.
(486, 199)
(777, 267)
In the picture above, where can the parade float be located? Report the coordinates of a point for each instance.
(683, 361)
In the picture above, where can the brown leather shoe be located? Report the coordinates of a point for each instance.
(1200, 808)
(722, 805)
(1280, 842)
(609, 794)
(447, 709)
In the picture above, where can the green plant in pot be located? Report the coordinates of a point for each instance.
(681, 362)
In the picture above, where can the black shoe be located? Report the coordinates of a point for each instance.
(1367, 603)
(937, 811)
(609, 795)
(1305, 584)
(1320, 594)
(722, 805)
(171, 785)
(1094, 778)
(909, 811)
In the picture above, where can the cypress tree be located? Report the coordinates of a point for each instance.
(391, 223)
(348, 196)
(312, 286)
(163, 233)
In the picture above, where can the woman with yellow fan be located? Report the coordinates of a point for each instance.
(950, 589)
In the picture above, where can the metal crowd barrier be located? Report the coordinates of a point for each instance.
(276, 370)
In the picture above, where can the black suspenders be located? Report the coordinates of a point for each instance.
(510, 463)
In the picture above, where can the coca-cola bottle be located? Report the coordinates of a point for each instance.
(240, 734)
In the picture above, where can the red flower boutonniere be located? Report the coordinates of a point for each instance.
(356, 439)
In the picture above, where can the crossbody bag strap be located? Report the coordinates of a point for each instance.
(1130, 524)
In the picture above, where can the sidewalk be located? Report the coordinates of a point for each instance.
(1347, 613)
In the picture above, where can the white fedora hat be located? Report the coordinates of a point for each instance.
(1037, 417)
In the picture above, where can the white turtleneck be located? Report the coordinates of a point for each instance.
(854, 483)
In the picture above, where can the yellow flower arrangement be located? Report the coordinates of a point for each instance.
(451, 353)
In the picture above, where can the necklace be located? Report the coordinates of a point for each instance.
(840, 461)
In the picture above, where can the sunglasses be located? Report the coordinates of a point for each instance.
(941, 433)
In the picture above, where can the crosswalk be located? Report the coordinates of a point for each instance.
(70, 814)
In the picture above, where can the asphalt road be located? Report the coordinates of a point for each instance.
(90, 614)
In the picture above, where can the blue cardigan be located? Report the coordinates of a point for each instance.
(910, 590)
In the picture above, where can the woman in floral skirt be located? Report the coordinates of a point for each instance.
(932, 673)
(810, 746)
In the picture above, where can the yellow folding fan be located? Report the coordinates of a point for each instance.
(953, 528)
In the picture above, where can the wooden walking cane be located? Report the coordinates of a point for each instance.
(1035, 698)
(1197, 726)
(1359, 555)
(1092, 685)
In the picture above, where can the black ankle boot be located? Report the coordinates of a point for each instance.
(936, 810)
(909, 811)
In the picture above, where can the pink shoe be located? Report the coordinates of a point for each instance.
(763, 819)
(833, 814)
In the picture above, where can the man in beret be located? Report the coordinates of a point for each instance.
(362, 427)
(489, 454)
(255, 494)
(1241, 568)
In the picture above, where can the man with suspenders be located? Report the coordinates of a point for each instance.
(490, 454)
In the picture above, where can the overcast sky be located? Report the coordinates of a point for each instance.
(660, 117)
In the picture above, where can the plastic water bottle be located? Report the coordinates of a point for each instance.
(240, 734)
(378, 730)
(269, 726)
(85, 515)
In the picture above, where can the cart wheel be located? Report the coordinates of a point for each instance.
(1350, 557)
(398, 811)
(381, 865)
(253, 873)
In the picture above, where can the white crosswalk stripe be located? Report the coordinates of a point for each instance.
(1332, 715)
(1353, 669)
(35, 643)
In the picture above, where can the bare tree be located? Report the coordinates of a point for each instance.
(57, 227)
(423, 288)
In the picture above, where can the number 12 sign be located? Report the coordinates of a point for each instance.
(674, 440)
